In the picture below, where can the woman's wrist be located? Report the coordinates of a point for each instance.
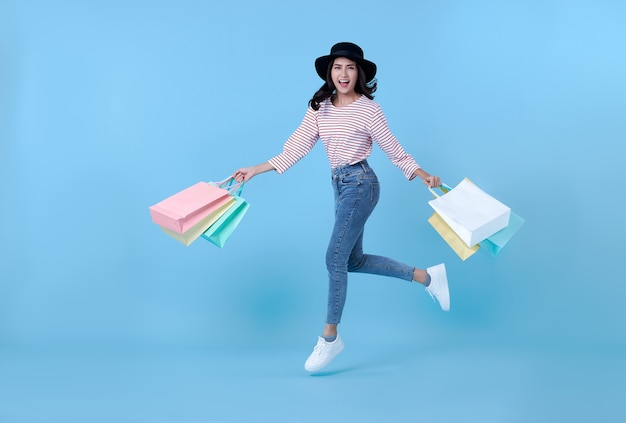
(421, 173)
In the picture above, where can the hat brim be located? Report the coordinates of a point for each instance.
(322, 63)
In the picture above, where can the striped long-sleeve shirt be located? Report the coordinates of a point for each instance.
(347, 134)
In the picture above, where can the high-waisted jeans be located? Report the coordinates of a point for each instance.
(356, 194)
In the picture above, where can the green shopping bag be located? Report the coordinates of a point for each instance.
(220, 231)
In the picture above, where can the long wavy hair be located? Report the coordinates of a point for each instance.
(328, 89)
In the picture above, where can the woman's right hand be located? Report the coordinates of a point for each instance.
(247, 173)
(244, 174)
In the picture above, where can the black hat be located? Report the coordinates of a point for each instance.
(350, 51)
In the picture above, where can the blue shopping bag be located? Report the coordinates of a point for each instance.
(496, 242)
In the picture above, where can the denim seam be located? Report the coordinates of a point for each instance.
(395, 269)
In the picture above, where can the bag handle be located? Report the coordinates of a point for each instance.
(220, 184)
(443, 187)
(227, 184)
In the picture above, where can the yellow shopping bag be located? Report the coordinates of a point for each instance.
(451, 238)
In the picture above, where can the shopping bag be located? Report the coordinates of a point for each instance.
(496, 242)
(219, 232)
(198, 229)
(451, 238)
(183, 210)
(470, 212)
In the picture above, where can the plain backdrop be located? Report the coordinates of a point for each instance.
(107, 107)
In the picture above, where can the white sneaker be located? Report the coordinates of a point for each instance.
(438, 288)
(323, 354)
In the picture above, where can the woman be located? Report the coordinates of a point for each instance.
(344, 116)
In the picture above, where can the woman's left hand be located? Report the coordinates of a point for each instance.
(432, 181)
(429, 180)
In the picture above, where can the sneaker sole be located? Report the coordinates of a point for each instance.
(440, 272)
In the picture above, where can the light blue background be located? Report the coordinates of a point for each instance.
(107, 107)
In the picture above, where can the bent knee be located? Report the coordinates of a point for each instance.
(355, 263)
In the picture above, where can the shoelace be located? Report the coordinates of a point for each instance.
(319, 347)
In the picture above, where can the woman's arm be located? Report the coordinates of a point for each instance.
(427, 178)
(247, 173)
(298, 145)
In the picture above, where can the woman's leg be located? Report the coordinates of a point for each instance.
(330, 331)
(355, 198)
(377, 265)
(356, 195)
(354, 202)
(384, 266)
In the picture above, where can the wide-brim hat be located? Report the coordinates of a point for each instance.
(350, 51)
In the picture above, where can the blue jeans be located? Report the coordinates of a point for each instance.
(356, 194)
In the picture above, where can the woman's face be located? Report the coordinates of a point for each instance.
(344, 75)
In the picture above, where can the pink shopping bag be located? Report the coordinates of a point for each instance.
(183, 210)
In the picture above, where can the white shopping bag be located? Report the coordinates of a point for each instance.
(470, 212)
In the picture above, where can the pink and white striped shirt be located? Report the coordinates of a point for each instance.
(347, 133)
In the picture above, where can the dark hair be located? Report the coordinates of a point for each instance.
(327, 90)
